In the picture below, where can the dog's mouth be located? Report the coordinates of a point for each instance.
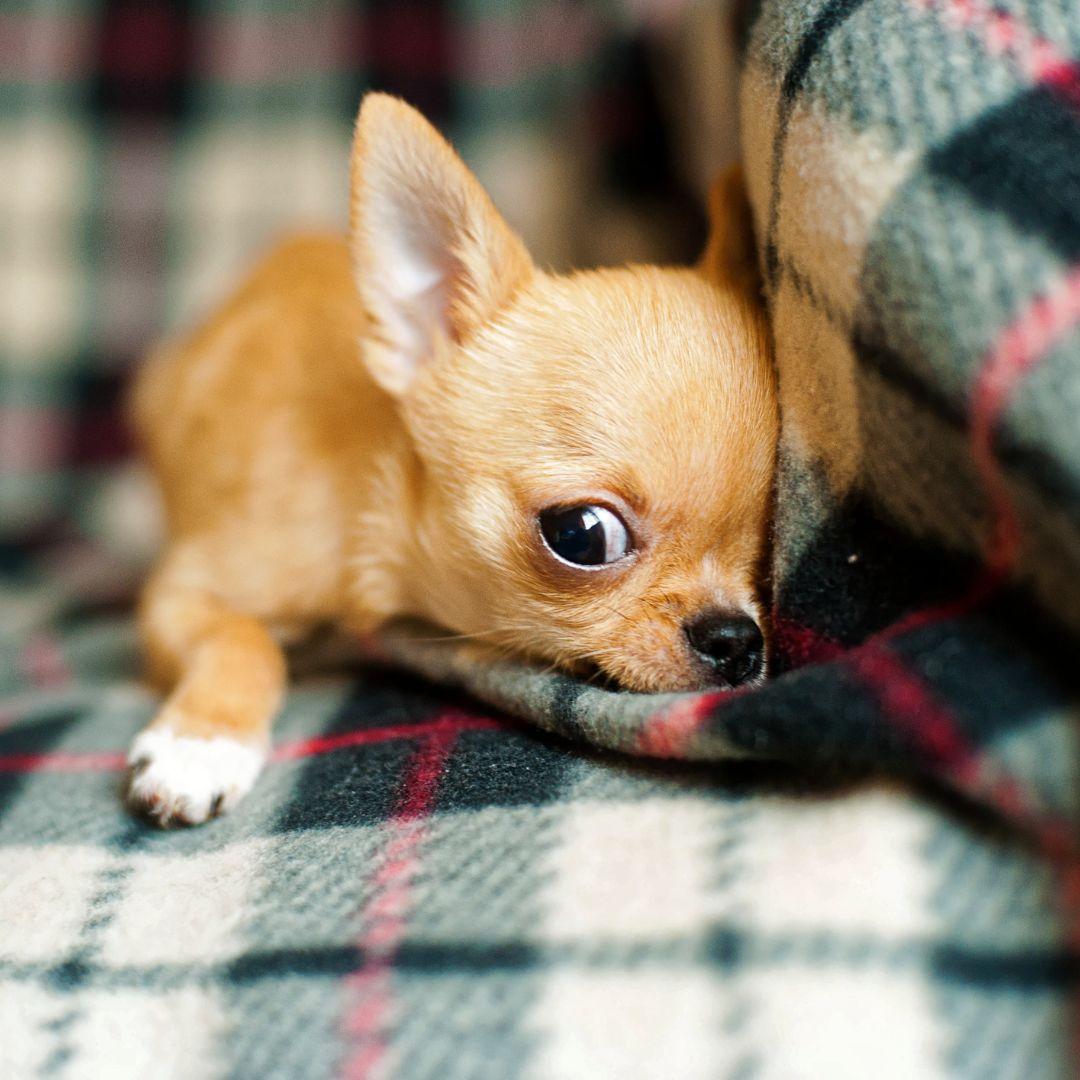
(592, 674)
(696, 676)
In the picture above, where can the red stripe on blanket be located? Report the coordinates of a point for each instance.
(1021, 346)
(1002, 33)
(668, 733)
(112, 761)
(325, 744)
(1024, 344)
(802, 644)
(385, 915)
(910, 703)
(62, 762)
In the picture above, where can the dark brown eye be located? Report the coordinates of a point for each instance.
(585, 535)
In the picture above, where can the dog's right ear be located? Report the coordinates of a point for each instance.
(432, 256)
(729, 252)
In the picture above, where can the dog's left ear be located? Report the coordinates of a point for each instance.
(729, 252)
(433, 257)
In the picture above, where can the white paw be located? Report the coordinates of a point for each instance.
(176, 779)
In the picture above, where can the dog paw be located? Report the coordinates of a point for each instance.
(180, 780)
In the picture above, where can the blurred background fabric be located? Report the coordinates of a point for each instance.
(149, 150)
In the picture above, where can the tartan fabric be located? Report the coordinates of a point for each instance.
(420, 886)
(416, 888)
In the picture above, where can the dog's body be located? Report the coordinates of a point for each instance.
(422, 423)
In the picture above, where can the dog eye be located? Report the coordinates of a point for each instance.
(585, 535)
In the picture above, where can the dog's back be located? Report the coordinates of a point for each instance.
(257, 423)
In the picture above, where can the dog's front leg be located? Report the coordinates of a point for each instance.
(204, 749)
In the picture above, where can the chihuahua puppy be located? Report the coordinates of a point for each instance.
(420, 422)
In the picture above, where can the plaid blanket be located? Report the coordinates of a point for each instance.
(868, 866)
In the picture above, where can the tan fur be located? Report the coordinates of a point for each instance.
(342, 443)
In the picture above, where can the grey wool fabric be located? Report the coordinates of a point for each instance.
(866, 867)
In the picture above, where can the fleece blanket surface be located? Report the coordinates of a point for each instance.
(866, 867)
(418, 888)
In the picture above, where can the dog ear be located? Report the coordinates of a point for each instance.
(729, 252)
(432, 256)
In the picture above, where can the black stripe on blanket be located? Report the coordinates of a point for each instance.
(821, 716)
(500, 768)
(727, 947)
(861, 572)
(1023, 160)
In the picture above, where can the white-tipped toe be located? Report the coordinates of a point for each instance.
(177, 779)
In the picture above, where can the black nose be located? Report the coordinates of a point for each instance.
(729, 642)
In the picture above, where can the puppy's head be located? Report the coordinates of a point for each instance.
(593, 452)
